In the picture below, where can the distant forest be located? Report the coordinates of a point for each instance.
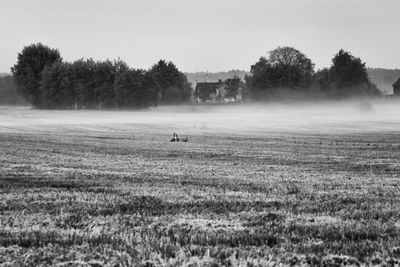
(383, 78)
(41, 77)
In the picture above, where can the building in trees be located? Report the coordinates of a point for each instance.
(230, 90)
(396, 88)
(209, 91)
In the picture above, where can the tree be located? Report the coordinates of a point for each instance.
(347, 70)
(57, 87)
(48, 82)
(346, 77)
(136, 89)
(173, 94)
(171, 79)
(322, 82)
(285, 67)
(83, 76)
(27, 71)
(232, 86)
(151, 89)
(97, 85)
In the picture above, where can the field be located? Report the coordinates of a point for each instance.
(258, 187)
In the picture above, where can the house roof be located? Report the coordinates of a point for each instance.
(208, 87)
(397, 83)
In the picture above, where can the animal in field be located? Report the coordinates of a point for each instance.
(175, 138)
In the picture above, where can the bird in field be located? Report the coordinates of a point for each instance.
(175, 138)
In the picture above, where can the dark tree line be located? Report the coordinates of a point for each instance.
(97, 85)
(47, 81)
(287, 72)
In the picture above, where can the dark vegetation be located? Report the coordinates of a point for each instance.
(88, 198)
(383, 78)
(232, 86)
(47, 81)
(28, 71)
(288, 73)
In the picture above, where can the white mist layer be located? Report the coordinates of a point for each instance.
(324, 117)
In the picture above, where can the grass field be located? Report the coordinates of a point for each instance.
(108, 189)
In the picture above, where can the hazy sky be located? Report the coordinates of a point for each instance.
(199, 35)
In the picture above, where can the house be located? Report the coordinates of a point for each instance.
(218, 92)
(209, 91)
(386, 88)
(396, 88)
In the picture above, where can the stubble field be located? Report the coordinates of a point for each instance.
(115, 192)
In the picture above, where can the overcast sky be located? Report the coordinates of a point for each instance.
(200, 35)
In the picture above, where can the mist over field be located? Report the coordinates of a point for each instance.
(325, 117)
(217, 133)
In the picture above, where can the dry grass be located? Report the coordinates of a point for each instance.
(104, 198)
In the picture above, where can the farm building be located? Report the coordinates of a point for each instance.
(396, 88)
(217, 92)
(209, 91)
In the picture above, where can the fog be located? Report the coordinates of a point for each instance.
(306, 117)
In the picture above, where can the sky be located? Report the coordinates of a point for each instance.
(202, 35)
